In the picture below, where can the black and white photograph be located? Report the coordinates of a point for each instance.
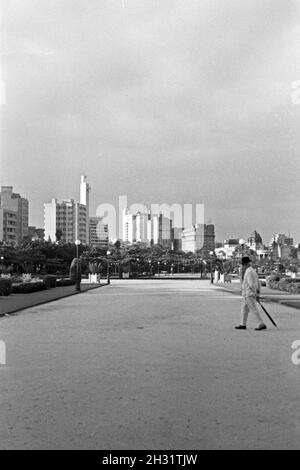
(149, 228)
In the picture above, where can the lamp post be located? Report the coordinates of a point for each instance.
(108, 278)
(158, 272)
(242, 244)
(211, 273)
(77, 243)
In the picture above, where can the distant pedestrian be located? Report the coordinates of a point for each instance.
(250, 294)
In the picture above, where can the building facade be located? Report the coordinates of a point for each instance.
(85, 201)
(98, 233)
(162, 232)
(209, 237)
(8, 227)
(65, 221)
(146, 228)
(193, 238)
(199, 236)
(142, 227)
(12, 202)
(129, 227)
(282, 239)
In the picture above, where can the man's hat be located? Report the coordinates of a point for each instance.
(246, 260)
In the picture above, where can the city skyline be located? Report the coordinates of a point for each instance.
(156, 101)
(84, 200)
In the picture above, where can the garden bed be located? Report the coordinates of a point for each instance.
(285, 284)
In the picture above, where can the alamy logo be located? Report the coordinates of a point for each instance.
(296, 355)
(185, 215)
(2, 353)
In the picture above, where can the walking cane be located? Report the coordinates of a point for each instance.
(269, 316)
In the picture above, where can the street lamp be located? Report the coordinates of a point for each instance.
(108, 278)
(211, 273)
(242, 243)
(158, 263)
(150, 267)
(77, 243)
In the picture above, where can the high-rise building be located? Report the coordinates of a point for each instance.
(99, 236)
(12, 202)
(209, 237)
(85, 201)
(65, 221)
(129, 227)
(8, 227)
(177, 238)
(142, 227)
(162, 230)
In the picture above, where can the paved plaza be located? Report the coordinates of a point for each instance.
(149, 365)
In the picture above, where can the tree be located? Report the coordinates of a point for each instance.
(58, 234)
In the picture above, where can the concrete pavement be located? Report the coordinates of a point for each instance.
(148, 365)
(267, 294)
(17, 302)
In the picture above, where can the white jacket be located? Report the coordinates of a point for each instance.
(251, 284)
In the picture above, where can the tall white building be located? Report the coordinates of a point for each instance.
(142, 227)
(129, 227)
(66, 221)
(85, 201)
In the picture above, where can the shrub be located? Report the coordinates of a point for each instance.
(27, 287)
(5, 286)
(50, 281)
(65, 282)
(285, 284)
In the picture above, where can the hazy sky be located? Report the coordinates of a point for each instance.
(175, 101)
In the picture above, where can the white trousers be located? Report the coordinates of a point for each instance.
(249, 304)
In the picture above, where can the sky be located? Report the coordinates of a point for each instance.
(164, 101)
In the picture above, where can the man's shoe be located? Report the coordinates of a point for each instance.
(241, 327)
(261, 327)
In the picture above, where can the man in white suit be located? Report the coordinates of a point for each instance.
(250, 294)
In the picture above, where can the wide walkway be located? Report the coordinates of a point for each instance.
(148, 365)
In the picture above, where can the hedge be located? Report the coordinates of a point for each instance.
(27, 287)
(65, 282)
(5, 286)
(50, 281)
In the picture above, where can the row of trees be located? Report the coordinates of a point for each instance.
(43, 257)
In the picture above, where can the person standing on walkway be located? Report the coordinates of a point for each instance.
(250, 294)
